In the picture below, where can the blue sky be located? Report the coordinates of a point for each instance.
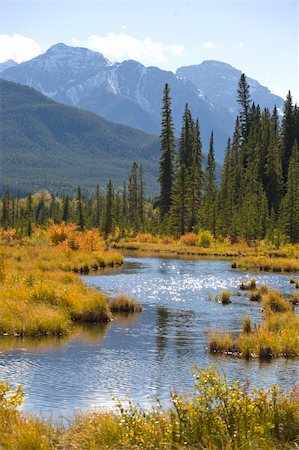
(259, 37)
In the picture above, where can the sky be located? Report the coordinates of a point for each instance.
(258, 37)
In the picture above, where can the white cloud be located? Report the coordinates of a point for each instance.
(210, 44)
(118, 47)
(17, 47)
(283, 93)
(240, 45)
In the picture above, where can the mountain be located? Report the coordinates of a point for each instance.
(127, 92)
(219, 81)
(45, 144)
(7, 64)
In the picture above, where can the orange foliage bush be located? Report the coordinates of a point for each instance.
(90, 240)
(62, 232)
(189, 239)
(8, 235)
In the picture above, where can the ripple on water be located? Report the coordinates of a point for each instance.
(146, 355)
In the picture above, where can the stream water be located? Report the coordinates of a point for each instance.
(146, 355)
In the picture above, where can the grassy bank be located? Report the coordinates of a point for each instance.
(219, 414)
(278, 335)
(41, 293)
(258, 256)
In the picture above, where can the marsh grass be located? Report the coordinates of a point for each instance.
(125, 304)
(248, 285)
(220, 414)
(42, 295)
(225, 298)
(268, 264)
(278, 335)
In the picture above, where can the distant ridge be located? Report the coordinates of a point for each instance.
(45, 144)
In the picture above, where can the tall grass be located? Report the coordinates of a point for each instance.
(40, 292)
(278, 335)
(220, 414)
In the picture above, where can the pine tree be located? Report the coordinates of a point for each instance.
(97, 208)
(29, 214)
(288, 135)
(108, 210)
(66, 209)
(133, 197)
(210, 191)
(80, 214)
(290, 203)
(141, 196)
(166, 173)
(243, 98)
(195, 178)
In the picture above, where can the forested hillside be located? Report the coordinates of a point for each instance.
(48, 145)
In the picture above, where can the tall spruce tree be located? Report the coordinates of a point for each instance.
(290, 203)
(80, 213)
(243, 98)
(108, 218)
(210, 191)
(195, 178)
(288, 135)
(166, 171)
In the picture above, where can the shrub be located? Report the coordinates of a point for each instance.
(189, 239)
(205, 239)
(62, 232)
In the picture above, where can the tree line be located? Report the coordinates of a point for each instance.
(257, 196)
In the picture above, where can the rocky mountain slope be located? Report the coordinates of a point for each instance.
(219, 81)
(127, 92)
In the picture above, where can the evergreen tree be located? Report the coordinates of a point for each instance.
(133, 197)
(243, 98)
(97, 212)
(29, 214)
(80, 214)
(66, 209)
(288, 135)
(140, 197)
(195, 178)
(210, 191)
(108, 218)
(290, 203)
(166, 173)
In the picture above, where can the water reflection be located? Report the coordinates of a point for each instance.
(143, 356)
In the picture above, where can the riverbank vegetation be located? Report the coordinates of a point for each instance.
(219, 414)
(41, 292)
(276, 336)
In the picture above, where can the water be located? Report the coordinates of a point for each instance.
(146, 355)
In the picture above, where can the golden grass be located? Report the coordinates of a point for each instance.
(41, 294)
(123, 303)
(278, 335)
(268, 264)
(220, 414)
